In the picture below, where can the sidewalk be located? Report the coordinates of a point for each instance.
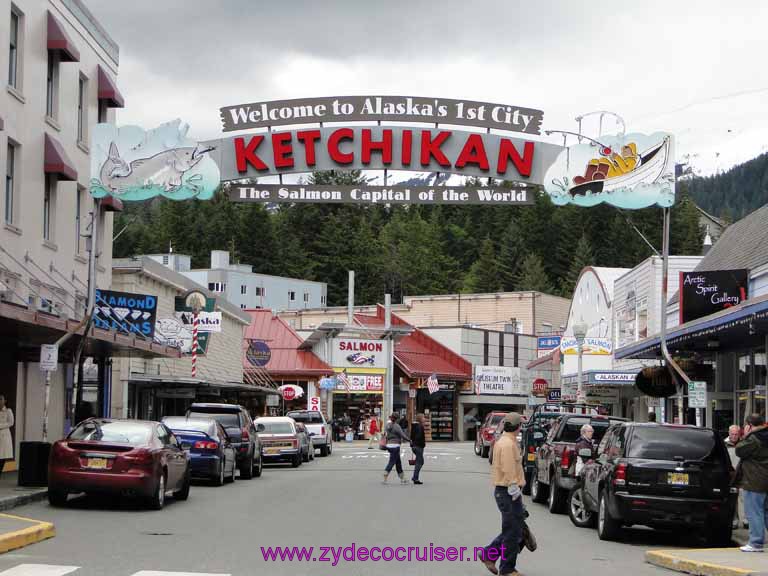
(710, 562)
(17, 532)
(13, 495)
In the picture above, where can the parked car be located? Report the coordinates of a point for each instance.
(280, 440)
(121, 457)
(305, 442)
(318, 428)
(212, 456)
(532, 436)
(242, 434)
(554, 472)
(661, 475)
(485, 433)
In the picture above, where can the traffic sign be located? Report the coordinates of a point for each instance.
(553, 395)
(49, 357)
(697, 394)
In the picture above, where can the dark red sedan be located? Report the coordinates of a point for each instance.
(124, 457)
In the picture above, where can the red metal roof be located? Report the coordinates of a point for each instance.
(420, 356)
(287, 361)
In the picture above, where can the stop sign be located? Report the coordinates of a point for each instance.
(539, 387)
(289, 394)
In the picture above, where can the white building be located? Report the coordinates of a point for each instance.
(243, 287)
(59, 69)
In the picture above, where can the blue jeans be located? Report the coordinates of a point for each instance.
(512, 518)
(394, 461)
(756, 509)
(419, 452)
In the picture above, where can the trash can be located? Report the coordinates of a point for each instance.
(33, 463)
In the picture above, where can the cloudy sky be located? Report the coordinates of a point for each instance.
(695, 68)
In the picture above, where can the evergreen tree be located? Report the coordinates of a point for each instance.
(485, 273)
(581, 258)
(533, 276)
(511, 255)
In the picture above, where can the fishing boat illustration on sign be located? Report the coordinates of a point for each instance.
(627, 171)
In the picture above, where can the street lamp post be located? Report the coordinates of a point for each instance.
(580, 332)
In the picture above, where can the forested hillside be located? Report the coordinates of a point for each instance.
(407, 250)
(735, 193)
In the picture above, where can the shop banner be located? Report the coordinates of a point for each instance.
(612, 378)
(125, 312)
(590, 347)
(206, 321)
(500, 380)
(357, 353)
(362, 383)
(704, 293)
(603, 394)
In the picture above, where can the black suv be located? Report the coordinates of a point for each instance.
(242, 434)
(554, 474)
(661, 475)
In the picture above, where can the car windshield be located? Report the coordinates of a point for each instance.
(277, 427)
(666, 443)
(496, 419)
(307, 417)
(133, 433)
(226, 420)
(572, 430)
(543, 421)
(189, 424)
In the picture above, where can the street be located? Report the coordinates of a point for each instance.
(333, 501)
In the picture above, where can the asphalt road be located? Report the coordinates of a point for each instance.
(333, 501)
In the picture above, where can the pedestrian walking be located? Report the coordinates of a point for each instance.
(394, 436)
(734, 437)
(752, 478)
(373, 432)
(6, 440)
(418, 443)
(508, 481)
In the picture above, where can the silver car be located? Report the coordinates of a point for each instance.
(317, 427)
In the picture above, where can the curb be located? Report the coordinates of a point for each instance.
(20, 538)
(22, 499)
(675, 560)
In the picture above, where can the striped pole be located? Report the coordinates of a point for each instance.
(194, 345)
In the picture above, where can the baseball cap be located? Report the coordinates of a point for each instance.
(513, 418)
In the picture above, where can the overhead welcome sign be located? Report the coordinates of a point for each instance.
(434, 146)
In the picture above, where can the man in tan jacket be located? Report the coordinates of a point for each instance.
(508, 480)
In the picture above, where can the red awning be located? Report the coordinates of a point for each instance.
(59, 41)
(56, 160)
(111, 204)
(108, 91)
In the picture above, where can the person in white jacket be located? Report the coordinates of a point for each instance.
(6, 440)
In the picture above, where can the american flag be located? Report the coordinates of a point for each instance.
(342, 377)
(432, 384)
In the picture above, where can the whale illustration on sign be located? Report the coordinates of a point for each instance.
(132, 164)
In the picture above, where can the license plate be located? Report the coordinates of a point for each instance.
(677, 479)
(531, 457)
(98, 463)
(273, 450)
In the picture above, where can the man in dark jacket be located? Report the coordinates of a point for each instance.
(753, 480)
(418, 442)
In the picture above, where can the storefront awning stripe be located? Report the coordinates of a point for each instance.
(756, 308)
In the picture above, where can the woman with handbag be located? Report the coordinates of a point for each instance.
(392, 441)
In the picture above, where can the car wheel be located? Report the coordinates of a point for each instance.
(157, 500)
(527, 487)
(57, 497)
(538, 490)
(477, 449)
(296, 462)
(218, 480)
(259, 467)
(324, 451)
(486, 449)
(719, 536)
(555, 497)
(183, 492)
(305, 457)
(607, 527)
(246, 470)
(330, 448)
(578, 512)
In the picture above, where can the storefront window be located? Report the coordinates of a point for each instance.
(743, 373)
(760, 402)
